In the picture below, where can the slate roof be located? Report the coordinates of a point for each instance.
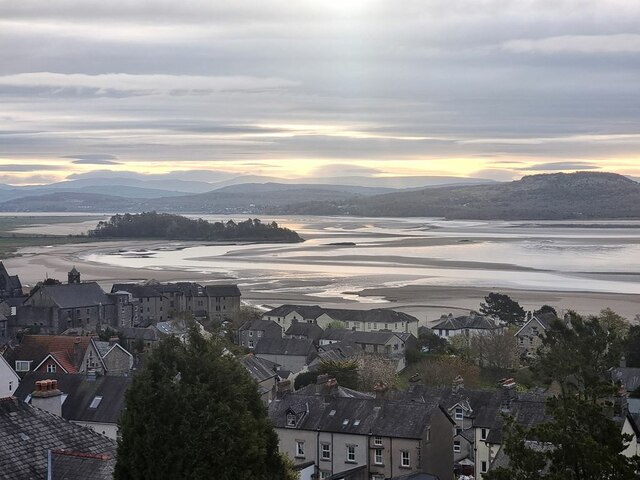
(27, 433)
(357, 416)
(476, 322)
(223, 290)
(337, 351)
(35, 348)
(259, 368)
(75, 295)
(81, 392)
(137, 333)
(138, 290)
(284, 346)
(377, 315)
(309, 330)
(369, 338)
(527, 410)
(262, 326)
(68, 465)
(416, 476)
(545, 318)
(337, 391)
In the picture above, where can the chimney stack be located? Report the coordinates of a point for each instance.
(623, 362)
(113, 341)
(458, 384)
(282, 388)
(47, 397)
(380, 389)
(508, 391)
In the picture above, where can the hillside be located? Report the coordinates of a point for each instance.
(580, 195)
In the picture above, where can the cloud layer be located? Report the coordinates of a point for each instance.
(291, 88)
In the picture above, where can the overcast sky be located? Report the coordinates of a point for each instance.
(486, 88)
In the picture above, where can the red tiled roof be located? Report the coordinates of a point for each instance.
(36, 347)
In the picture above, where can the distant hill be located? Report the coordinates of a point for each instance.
(67, 202)
(580, 195)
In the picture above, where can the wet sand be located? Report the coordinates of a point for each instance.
(427, 302)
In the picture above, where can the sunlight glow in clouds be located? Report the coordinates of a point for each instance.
(492, 89)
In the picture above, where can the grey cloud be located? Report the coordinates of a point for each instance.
(93, 159)
(551, 166)
(29, 167)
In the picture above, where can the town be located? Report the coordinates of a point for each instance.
(351, 394)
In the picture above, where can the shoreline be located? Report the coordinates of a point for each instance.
(426, 302)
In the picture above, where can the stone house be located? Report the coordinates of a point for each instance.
(468, 325)
(48, 354)
(252, 331)
(138, 339)
(304, 331)
(529, 336)
(265, 373)
(387, 438)
(107, 358)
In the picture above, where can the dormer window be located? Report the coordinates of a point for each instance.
(459, 413)
(291, 420)
(23, 365)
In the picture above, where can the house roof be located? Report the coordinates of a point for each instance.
(284, 346)
(81, 392)
(230, 290)
(360, 416)
(416, 476)
(69, 465)
(138, 290)
(137, 333)
(310, 330)
(75, 295)
(472, 321)
(27, 433)
(337, 391)
(261, 326)
(260, 369)
(377, 315)
(544, 319)
(369, 338)
(36, 348)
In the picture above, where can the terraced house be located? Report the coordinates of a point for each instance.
(359, 320)
(385, 438)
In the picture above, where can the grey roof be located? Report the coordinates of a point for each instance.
(337, 351)
(260, 369)
(462, 322)
(545, 318)
(76, 295)
(284, 346)
(137, 333)
(138, 290)
(527, 410)
(102, 347)
(81, 392)
(357, 416)
(310, 312)
(262, 326)
(27, 433)
(66, 465)
(369, 338)
(309, 330)
(231, 290)
(337, 391)
(376, 315)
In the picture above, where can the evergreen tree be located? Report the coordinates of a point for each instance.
(503, 307)
(194, 413)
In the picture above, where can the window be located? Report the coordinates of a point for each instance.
(23, 366)
(259, 333)
(428, 435)
(325, 451)
(299, 448)
(250, 343)
(521, 340)
(377, 441)
(404, 458)
(377, 457)
(456, 446)
(11, 386)
(95, 402)
(483, 434)
(291, 420)
(51, 368)
(250, 333)
(458, 430)
(351, 453)
(324, 474)
(483, 467)
(459, 415)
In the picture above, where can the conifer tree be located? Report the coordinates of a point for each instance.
(194, 413)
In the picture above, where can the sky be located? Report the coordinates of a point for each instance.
(480, 88)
